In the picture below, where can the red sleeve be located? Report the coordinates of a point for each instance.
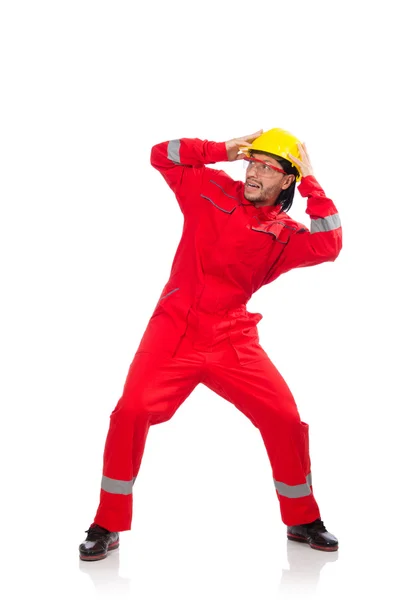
(324, 240)
(182, 164)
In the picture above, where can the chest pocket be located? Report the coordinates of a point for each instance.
(276, 229)
(263, 242)
(219, 198)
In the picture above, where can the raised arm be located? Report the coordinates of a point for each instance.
(323, 242)
(182, 162)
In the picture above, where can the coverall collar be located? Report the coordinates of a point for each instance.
(270, 211)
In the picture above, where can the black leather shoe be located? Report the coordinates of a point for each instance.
(314, 534)
(97, 543)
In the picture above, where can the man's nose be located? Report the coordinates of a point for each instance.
(252, 166)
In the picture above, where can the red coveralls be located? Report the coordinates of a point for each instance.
(201, 331)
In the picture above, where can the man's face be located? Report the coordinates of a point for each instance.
(263, 185)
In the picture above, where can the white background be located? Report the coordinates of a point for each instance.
(88, 234)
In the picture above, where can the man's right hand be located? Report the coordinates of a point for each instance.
(233, 146)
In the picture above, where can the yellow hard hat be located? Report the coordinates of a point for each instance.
(279, 142)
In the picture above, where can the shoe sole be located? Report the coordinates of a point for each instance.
(111, 547)
(297, 538)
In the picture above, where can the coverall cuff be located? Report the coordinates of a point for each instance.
(219, 152)
(309, 186)
(318, 205)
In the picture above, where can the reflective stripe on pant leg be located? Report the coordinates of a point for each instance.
(117, 486)
(294, 491)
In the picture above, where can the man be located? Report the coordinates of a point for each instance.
(236, 238)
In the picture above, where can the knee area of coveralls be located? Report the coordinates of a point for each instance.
(141, 410)
(280, 417)
(289, 432)
(138, 394)
(130, 412)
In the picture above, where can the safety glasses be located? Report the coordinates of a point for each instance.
(262, 166)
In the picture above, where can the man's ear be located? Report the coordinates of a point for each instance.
(288, 181)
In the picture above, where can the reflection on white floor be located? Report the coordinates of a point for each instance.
(105, 576)
(301, 577)
(305, 566)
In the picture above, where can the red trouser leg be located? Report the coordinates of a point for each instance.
(154, 389)
(242, 373)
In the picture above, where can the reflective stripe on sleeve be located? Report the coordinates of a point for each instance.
(326, 224)
(174, 151)
(294, 491)
(117, 486)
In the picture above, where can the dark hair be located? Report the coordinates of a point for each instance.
(286, 197)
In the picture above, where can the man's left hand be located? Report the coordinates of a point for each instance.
(304, 164)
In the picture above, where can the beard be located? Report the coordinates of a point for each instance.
(262, 196)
